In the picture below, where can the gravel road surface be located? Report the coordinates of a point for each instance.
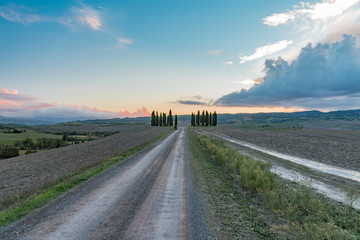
(148, 196)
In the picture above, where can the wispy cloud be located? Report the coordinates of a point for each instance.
(123, 42)
(228, 63)
(15, 14)
(83, 16)
(13, 104)
(265, 50)
(324, 76)
(191, 102)
(195, 100)
(213, 52)
(318, 11)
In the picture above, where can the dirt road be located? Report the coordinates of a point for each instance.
(148, 196)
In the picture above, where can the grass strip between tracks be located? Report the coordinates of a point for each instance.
(26, 206)
(300, 212)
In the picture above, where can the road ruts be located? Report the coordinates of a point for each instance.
(144, 197)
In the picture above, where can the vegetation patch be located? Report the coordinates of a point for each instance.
(303, 213)
(232, 212)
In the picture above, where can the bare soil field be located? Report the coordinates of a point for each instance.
(333, 124)
(84, 128)
(336, 147)
(29, 173)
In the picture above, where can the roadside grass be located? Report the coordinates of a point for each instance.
(14, 209)
(304, 214)
(11, 138)
(232, 212)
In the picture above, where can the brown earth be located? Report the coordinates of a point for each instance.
(83, 128)
(336, 147)
(28, 174)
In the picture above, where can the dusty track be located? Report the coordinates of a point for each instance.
(145, 197)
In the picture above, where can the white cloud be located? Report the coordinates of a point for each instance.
(318, 11)
(266, 50)
(227, 63)
(213, 52)
(122, 42)
(246, 83)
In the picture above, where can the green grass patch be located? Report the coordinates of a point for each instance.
(305, 214)
(11, 138)
(23, 207)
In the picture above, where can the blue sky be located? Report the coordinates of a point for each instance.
(125, 58)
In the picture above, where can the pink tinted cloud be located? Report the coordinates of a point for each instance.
(13, 104)
(13, 101)
(5, 90)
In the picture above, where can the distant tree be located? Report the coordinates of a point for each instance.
(198, 118)
(192, 119)
(164, 119)
(210, 120)
(207, 118)
(175, 120)
(170, 118)
(65, 137)
(214, 119)
(161, 120)
(203, 118)
(153, 118)
(157, 119)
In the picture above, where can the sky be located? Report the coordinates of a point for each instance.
(104, 59)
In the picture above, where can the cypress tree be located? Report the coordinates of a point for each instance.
(153, 118)
(203, 118)
(192, 119)
(207, 118)
(175, 120)
(164, 119)
(198, 119)
(160, 120)
(214, 119)
(157, 119)
(170, 118)
(210, 119)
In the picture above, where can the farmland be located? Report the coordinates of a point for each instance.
(9, 138)
(29, 174)
(336, 147)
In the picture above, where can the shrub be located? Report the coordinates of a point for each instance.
(30, 151)
(10, 152)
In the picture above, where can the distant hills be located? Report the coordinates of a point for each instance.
(239, 118)
(51, 121)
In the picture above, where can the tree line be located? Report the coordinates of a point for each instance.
(161, 119)
(204, 119)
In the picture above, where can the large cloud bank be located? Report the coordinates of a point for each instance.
(325, 76)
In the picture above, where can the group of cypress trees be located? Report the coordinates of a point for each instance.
(160, 119)
(204, 119)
